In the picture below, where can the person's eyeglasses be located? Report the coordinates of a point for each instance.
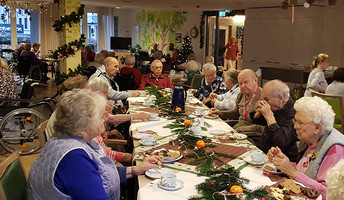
(300, 125)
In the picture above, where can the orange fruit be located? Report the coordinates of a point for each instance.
(25, 145)
(160, 91)
(236, 189)
(187, 122)
(178, 109)
(165, 95)
(200, 144)
(28, 118)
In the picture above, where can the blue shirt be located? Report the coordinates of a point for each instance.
(77, 176)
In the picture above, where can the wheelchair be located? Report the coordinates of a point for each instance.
(18, 127)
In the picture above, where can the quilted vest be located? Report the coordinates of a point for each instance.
(41, 177)
(327, 141)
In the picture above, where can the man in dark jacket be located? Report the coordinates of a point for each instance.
(276, 112)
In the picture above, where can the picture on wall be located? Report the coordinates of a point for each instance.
(178, 38)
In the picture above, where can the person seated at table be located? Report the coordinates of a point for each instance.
(74, 166)
(210, 84)
(249, 94)
(156, 77)
(35, 49)
(316, 80)
(276, 112)
(337, 86)
(89, 53)
(209, 59)
(155, 49)
(98, 60)
(323, 144)
(335, 181)
(129, 68)
(18, 51)
(227, 100)
(107, 72)
(8, 86)
(192, 69)
(31, 55)
(105, 52)
(184, 65)
(100, 85)
(158, 56)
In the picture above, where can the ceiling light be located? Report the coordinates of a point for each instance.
(306, 5)
(118, 7)
(239, 18)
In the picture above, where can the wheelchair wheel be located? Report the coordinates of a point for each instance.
(35, 73)
(18, 130)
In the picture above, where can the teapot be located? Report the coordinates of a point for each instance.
(178, 98)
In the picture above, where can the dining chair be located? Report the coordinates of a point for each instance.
(196, 81)
(337, 104)
(13, 183)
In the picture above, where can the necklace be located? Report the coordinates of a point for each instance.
(249, 104)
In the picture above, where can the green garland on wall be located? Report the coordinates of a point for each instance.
(66, 50)
(74, 17)
(81, 69)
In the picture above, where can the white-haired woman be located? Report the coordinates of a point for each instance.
(210, 84)
(324, 145)
(335, 181)
(191, 70)
(72, 165)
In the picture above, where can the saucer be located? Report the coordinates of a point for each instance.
(238, 136)
(139, 136)
(273, 167)
(156, 173)
(217, 132)
(179, 185)
(249, 161)
(154, 119)
(148, 144)
(211, 116)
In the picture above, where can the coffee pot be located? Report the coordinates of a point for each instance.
(178, 98)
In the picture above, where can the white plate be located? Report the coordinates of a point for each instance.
(274, 171)
(249, 161)
(211, 116)
(137, 103)
(167, 159)
(139, 136)
(217, 132)
(179, 185)
(238, 136)
(156, 173)
(148, 144)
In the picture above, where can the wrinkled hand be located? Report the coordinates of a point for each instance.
(212, 95)
(148, 163)
(215, 111)
(264, 108)
(213, 102)
(275, 152)
(109, 106)
(206, 100)
(135, 94)
(141, 116)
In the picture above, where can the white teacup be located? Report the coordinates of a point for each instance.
(257, 157)
(153, 115)
(148, 139)
(147, 102)
(168, 179)
(196, 130)
(172, 72)
(199, 111)
(142, 93)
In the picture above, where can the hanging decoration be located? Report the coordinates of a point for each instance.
(226, 183)
(81, 69)
(74, 17)
(201, 31)
(66, 50)
(28, 6)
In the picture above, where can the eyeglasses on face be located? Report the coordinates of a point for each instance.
(299, 125)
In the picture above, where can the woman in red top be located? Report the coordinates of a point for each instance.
(230, 57)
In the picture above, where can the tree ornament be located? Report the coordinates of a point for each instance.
(200, 144)
(212, 183)
(66, 50)
(187, 122)
(236, 189)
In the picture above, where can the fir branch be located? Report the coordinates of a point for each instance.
(74, 17)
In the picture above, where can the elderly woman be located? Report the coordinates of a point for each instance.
(316, 80)
(191, 70)
(324, 145)
(72, 165)
(337, 86)
(210, 84)
(335, 181)
(227, 101)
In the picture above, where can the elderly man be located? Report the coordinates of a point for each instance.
(129, 68)
(249, 95)
(276, 112)
(156, 77)
(107, 72)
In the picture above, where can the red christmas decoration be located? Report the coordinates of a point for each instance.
(262, 198)
(212, 183)
(66, 50)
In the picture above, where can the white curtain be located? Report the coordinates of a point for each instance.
(105, 27)
(49, 37)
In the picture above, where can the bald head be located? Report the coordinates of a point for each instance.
(156, 67)
(248, 81)
(111, 66)
(275, 88)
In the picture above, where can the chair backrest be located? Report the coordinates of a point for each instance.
(13, 183)
(196, 81)
(126, 82)
(41, 133)
(89, 71)
(337, 106)
(24, 65)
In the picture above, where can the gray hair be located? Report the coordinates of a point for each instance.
(209, 59)
(232, 75)
(98, 84)
(192, 66)
(130, 60)
(99, 58)
(77, 111)
(278, 87)
(335, 181)
(209, 67)
(322, 111)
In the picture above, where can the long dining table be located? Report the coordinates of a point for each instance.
(186, 172)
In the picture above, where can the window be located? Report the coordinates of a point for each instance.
(5, 29)
(20, 21)
(23, 31)
(92, 33)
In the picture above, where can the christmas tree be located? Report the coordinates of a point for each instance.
(186, 49)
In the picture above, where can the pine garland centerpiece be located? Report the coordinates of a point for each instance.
(74, 17)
